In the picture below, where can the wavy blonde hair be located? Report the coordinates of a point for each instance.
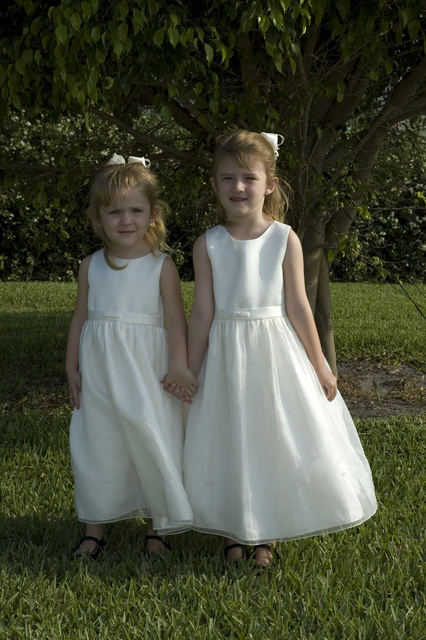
(112, 179)
(244, 147)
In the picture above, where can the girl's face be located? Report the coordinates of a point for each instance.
(242, 191)
(126, 221)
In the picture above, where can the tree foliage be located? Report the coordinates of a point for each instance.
(333, 77)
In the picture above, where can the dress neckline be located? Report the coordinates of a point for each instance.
(125, 260)
(262, 235)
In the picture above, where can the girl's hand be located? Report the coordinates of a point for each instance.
(74, 383)
(181, 384)
(328, 382)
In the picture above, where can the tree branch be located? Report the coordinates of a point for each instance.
(172, 152)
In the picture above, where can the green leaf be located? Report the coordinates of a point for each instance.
(364, 212)
(20, 66)
(61, 33)
(173, 34)
(166, 113)
(388, 66)
(277, 17)
(158, 37)
(152, 7)
(278, 61)
(86, 7)
(122, 31)
(413, 28)
(75, 21)
(172, 91)
(296, 49)
(95, 34)
(209, 52)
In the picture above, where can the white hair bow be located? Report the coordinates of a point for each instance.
(116, 159)
(275, 140)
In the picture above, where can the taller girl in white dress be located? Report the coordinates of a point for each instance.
(271, 452)
(126, 433)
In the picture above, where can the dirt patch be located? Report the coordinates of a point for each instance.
(375, 390)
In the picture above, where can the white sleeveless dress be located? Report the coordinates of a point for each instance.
(267, 457)
(127, 439)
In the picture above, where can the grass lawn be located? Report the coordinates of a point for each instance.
(363, 583)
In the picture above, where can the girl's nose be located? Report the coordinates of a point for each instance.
(126, 217)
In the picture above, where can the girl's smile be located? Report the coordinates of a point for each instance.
(125, 222)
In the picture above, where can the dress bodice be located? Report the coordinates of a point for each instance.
(134, 289)
(248, 273)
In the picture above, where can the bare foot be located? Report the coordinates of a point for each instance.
(157, 546)
(264, 557)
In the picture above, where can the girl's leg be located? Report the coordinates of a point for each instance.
(154, 545)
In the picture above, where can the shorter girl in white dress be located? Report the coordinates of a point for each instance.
(271, 452)
(126, 433)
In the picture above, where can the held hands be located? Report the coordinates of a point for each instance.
(74, 383)
(181, 384)
(329, 383)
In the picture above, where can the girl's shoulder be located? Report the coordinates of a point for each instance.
(85, 263)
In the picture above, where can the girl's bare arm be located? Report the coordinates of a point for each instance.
(203, 307)
(78, 319)
(177, 327)
(300, 314)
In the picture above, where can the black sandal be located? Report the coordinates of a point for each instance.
(166, 543)
(273, 551)
(91, 554)
(234, 546)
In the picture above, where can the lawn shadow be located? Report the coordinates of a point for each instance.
(37, 546)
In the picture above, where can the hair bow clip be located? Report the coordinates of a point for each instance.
(275, 140)
(116, 159)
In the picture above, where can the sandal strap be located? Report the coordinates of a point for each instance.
(92, 554)
(101, 543)
(165, 542)
(235, 546)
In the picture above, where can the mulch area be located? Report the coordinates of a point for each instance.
(375, 390)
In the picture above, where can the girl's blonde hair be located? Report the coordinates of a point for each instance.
(244, 147)
(113, 179)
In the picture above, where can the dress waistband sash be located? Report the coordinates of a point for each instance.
(129, 318)
(249, 314)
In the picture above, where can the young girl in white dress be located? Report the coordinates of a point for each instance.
(271, 452)
(126, 433)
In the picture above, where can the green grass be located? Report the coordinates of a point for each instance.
(379, 321)
(364, 583)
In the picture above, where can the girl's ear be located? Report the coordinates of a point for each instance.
(272, 183)
(213, 183)
(154, 214)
